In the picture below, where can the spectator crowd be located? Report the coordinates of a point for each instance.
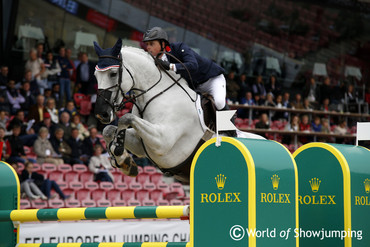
(43, 112)
(322, 96)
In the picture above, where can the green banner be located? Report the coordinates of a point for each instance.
(10, 193)
(332, 188)
(242, 195)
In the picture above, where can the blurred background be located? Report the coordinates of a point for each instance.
(290, 39)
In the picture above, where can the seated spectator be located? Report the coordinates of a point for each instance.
(76, 123)
(60, 146)
(45, 185)
(248, 99)
(258, 88)
(4, 118)
(307, 105)
(99, 165)
(15, 149)
(55, 94)
(279, 115)
(47, 93)
(351, 99)
(15, 98)
(4, 71)
(34, 88)
(70, 108)
(28, 97)
(244, 86)
(311, 91)
(294, 124)
(341, 129)
(304, 124)
(64, 123)
(286, 100)
(46, 122)
(91, 141)
(51, 108)
(44, 150)
(28, 180)
(325, 127)
(274, 86)
(258, 100)
(297, 103)
(4, 101)
(270, 100)
(76, 145)
(27, 135)
(286, 104)
(232, 88)
(316, 124)
(264, 122)
(306, 127)
(326, 106)
(3, 154)
(37, 110)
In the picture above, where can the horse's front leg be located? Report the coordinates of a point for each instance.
(123, 161)
(159, 137)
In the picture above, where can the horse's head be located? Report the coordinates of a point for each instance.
(111, 88)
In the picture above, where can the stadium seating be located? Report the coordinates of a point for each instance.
(64, 168)
(56, 203)
(107, 186)
(39, 204)
(25, 204)
(79, 168)
(57, 176)
(91, 185)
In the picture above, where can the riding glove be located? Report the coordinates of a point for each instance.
(164, 64)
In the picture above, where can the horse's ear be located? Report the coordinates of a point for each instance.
(98, 50)
(117, 48)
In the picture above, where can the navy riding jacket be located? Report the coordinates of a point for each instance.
(200, 68)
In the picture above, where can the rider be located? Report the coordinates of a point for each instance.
(206, 76)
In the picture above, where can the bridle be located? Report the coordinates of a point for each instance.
(117, 106)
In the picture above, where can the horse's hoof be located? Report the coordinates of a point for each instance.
(133, 171)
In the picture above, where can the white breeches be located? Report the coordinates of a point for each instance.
(216, 86)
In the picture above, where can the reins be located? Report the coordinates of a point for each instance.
(118, 106)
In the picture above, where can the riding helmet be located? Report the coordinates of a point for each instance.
(155, 33)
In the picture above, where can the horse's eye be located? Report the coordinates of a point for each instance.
(114, 74)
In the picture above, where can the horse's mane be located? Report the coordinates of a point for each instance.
(136, 50)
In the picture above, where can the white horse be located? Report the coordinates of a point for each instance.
(165, 123)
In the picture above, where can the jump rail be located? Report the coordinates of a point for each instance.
(138, 244)
(110, 213)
